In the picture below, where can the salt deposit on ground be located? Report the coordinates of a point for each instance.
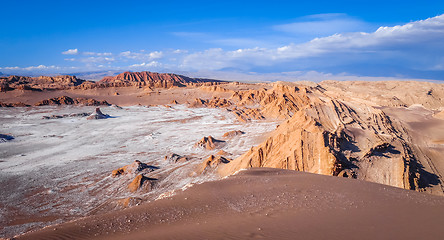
(60, 168)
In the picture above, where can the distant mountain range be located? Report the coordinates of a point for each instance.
(94, 75)
(126, 79)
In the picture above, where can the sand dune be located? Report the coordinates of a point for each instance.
(266, 203)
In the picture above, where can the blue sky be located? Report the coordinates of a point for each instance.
(265, 40)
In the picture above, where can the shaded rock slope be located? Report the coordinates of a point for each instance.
(336, 136)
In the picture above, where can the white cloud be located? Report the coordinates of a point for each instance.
(31, 68)
(323, 25)
(155, 55)
(150, 64)
(413, 40)
(71, 52)
(142, 55)
(98, 59)
(180, 51)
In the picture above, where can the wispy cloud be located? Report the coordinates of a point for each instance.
(71, 52)
(30, 68)
(97, 54)
(144, 65)
(141, 55)
(96, 59)
(415, 41)
(323, 25)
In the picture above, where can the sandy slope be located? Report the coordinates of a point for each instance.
(270, 204)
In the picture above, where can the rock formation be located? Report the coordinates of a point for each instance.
(97, 114)
(175, 158)
(140, 182)
(137, 171)
(133, 168)
(39, 83)
(211, 163)
(211, 103)
(66, 116)
(152, 80)
(126, 79)
(234, 133)
(65, 100)
(17, 104)
(209, 143)
(327, 135)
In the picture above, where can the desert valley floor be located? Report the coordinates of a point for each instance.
(147, 155)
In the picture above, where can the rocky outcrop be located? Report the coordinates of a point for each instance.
(17, 104)
(4, 87)
(211, 163)
(140, 182)
(133, 168)
(233, 133)
(137, 171)
(39, 83)
(281, 101)
(216, 88)
(65, 100)
(72, 115)
(126, 79)
(176, 158)
(152, 80)
(211, 103)
(222, 153)
(209, 143)
(329, 136)
(97, 114)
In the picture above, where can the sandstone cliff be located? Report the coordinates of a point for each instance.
(331, 136)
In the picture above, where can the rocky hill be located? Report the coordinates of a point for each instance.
(38, 83)
(341, 133)
(126, 79)
(152, 79)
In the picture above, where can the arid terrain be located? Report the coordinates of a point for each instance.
(165, 155)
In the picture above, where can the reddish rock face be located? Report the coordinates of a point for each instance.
(209, 143)
(141, 182)
(151, 79)
(234, 133)
(212, 163)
